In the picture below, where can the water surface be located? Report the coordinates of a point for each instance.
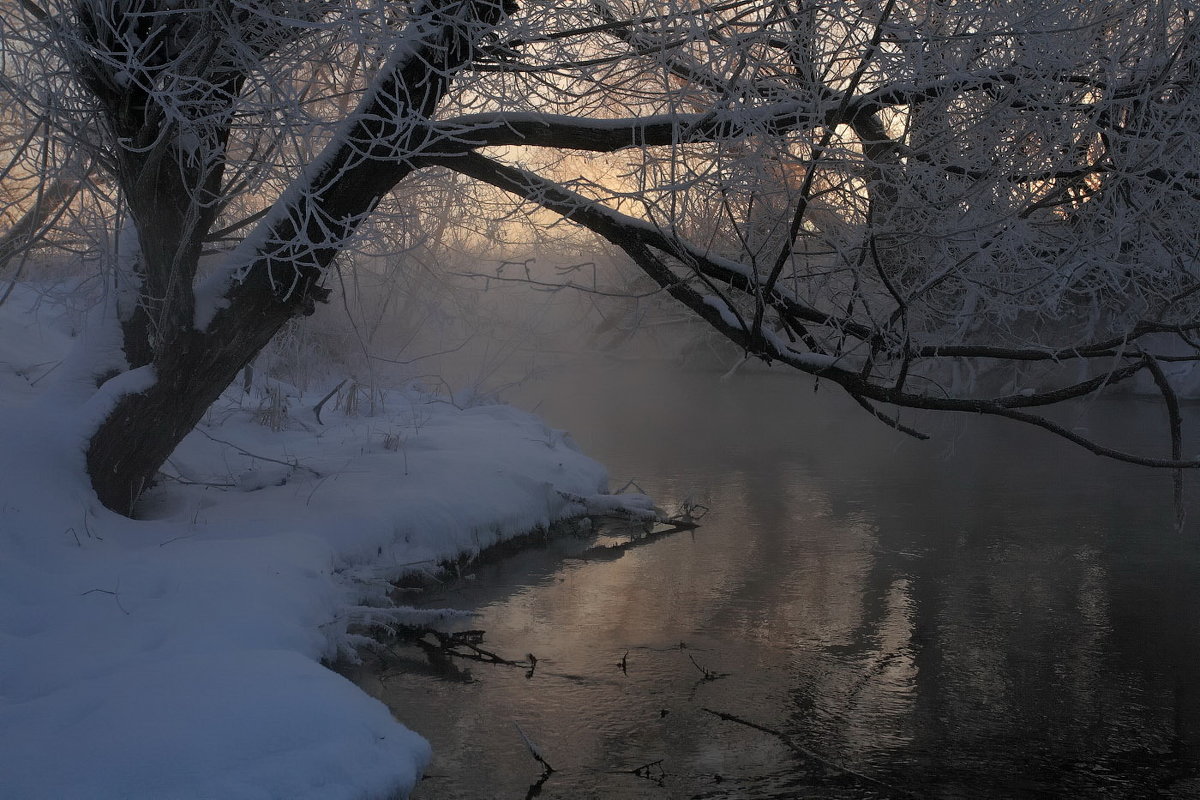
(991, 614)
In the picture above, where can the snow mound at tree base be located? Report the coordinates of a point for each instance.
(178, 655)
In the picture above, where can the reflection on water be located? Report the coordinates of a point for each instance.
(992, 614)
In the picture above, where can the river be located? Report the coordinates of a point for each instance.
(993, 613)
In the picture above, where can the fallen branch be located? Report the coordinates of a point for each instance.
(636, 540)
(461, 644)
(248, 454)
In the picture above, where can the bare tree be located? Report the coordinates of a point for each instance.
(864, 192)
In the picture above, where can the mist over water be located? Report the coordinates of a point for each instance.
(993, 613)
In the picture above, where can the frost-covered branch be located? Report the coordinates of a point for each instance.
(657, 251)
(983, 207)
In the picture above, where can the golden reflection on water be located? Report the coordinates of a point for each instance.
(935, 623)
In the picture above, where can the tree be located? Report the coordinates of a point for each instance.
(883, 196)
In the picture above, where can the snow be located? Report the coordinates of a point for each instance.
(732, 320)
(179, 655)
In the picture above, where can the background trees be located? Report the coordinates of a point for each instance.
(931, 204)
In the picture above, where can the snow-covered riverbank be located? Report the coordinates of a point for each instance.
(178, 655)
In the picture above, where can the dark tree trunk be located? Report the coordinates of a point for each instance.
(144, 428)
(295, 245)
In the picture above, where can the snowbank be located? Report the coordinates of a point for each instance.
(178, 655)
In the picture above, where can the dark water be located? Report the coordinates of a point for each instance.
(992, 614)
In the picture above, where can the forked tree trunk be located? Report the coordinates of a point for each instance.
(143, 429)
(285, 259)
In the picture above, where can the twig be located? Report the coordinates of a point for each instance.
(115, 596)
(450, 643)
(245, 452)
(533, 750)
(186, 482)
(316, 486)
(34, 382)
(678, 524)
(317, 408)
(422, 358)
(88, 528)
(708, 674)
(644, 770)
(651, 771)
(535, 788)
(889, 420)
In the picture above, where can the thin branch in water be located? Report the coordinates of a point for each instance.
(464, 644)
(795, 748)
(708, 675)
(651, 771)
(533, 750)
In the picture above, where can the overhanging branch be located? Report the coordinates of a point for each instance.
(650, 247)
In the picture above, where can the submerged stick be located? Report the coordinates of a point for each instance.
(533, 750)
(795, 748)
(709, 675)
